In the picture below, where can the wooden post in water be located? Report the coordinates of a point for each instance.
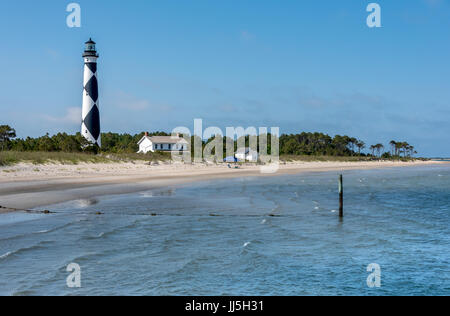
(341, 196)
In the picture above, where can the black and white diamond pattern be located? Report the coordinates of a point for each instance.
(90, 127)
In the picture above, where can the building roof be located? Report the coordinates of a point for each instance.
(167, 139)
(90, 41)
(164, 139)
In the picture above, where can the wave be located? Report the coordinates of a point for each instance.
(86, 203)
(102, 234)
(45, 231)
(6, 254)
(190, 266)
(113, 231)
(82, 258)
(42, 231)
(277, 209)
(40, 245)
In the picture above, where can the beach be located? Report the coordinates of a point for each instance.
(246, 235)
(26, 186)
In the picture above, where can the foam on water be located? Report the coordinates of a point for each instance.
(6, 255)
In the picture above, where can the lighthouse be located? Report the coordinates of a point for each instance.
(90, 126)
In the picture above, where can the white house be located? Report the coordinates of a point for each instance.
(246, 154)
(162, 143)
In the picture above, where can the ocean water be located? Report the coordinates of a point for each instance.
(253, 236)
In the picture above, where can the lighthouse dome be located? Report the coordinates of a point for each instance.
(90, 49)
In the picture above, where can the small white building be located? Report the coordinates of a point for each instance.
(162, 143)
(246, 154)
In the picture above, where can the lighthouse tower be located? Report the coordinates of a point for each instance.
(90, 127)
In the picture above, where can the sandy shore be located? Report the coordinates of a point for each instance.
(26, 186)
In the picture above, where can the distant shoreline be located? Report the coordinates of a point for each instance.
(27, 186)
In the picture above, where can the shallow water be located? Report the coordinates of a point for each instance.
(253, 236)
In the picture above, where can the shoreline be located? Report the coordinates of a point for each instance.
(27, 186)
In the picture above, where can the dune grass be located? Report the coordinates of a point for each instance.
(150, 157)
(8, 158)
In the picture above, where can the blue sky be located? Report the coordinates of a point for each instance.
(298, 65)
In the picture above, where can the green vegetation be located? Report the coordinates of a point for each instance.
(402, 148)
(13, 157)
(73, 149)
(322, 145)
(318, 144)
(8, 158)
(149, 157)
(6, 134)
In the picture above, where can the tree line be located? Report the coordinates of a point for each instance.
(307, 144)
(320, 144)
